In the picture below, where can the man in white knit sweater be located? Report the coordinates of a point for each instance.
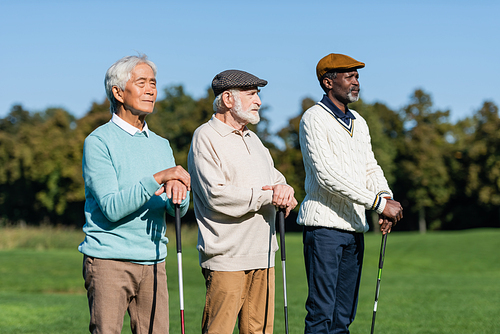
(343, 180)
(235, 191)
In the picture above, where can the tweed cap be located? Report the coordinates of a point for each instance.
(235, 79)
(335, 61)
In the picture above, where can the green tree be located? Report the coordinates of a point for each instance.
(98, 115)
(476, 170)
(484, 156)
(38, 160)
(423, 154)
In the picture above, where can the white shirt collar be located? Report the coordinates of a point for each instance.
(129, 128)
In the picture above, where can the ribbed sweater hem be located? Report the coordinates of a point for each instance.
(225, 263)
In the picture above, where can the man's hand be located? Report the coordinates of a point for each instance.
(175, 182)
(175, 190)
(385, 224)
(393, 211)
(283, 197)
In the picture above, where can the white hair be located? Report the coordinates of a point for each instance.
(217, 105)
(217, 102)
(119, 73)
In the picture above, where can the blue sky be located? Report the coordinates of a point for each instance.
(55, 53)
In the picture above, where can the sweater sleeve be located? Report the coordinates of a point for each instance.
(319, 157)
(376, 181)
(278, 177)
(210, 186)
(101, 181)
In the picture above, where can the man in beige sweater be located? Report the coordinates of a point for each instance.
(236, 190)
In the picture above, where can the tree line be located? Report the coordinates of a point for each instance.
(446, 175)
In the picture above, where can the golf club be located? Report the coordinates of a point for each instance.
(380, 266)
(281, 225)
(179, 261)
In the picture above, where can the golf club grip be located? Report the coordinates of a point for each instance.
(178, 227)
(382, 251)
(281, 226)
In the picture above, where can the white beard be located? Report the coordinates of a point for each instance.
(352, 98)
(245, 115)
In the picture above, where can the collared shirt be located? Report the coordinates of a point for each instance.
(129, 128)
(224, 129)
(346, 118)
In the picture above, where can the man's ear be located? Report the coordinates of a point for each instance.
(118, 94)
(328, 83)
(228, 99)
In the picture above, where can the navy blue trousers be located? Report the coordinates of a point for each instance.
(333, 260)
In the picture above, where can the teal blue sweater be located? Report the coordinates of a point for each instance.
(124, 218)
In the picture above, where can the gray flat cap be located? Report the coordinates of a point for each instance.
(235, 79)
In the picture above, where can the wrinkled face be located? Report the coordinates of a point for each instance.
(247, 105)
(346, 87)
(140, 92)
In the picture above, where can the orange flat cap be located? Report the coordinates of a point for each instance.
(336, 61)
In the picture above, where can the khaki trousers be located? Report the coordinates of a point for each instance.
(244, 295)
(116, 286)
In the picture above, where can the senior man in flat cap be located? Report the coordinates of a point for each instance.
(343, 180)
(236, 190)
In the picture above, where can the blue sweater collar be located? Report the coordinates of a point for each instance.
(334, 109)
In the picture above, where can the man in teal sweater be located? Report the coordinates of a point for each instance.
(130, 180)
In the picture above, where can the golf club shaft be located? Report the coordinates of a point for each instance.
(379, 277)
(179, 262)
(281, 225)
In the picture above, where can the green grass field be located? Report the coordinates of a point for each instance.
(441, 282)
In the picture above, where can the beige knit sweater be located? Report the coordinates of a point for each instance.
(342, 176)
(236, 219)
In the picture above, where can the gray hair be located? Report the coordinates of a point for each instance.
(119, 73)
(329, 75)
(218, 103)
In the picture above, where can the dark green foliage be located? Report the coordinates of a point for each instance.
(423, 152)
(475, 170)
(447, 176)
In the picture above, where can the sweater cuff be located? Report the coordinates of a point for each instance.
(150, 185)
(380, 202)
(265, 198)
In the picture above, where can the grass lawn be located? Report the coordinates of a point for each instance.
(441, 282)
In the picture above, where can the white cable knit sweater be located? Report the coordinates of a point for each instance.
(342, 176)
